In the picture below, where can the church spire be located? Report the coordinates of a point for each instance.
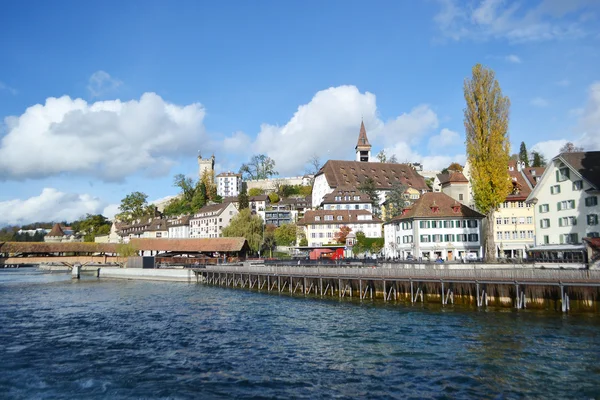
(363, 147)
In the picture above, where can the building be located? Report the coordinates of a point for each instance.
(454, 184)
(280, 214)
(258, 204)
(158, 229)
(206, 164)
(347, 198)
(228, 184)
(566, 200)
(298, 204)
(210, 220)
(179, 227)
(435, 226)
(320, 226)
(61, 234)
(271, 184)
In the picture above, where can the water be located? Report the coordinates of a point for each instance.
(96, 338)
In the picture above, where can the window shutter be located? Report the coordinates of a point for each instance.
(558, 206)
(557, 175)
(572, 203)
(574, 221)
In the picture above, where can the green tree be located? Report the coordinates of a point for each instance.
(92, 225)
(285, 235)
(269, 242)
(188, 189)
(537, 159)
(368, 187)
(488, 146)
(381, 156)
(248, 226)
(126, 250)
(303, 240)
(255, 191)
(396, 200)
(273, 197)
(375, 247)
(259, 167)
(523, 156)
(134, 206)
(200, 197)
(243, 202)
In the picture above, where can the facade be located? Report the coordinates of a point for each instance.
(436, 226)
(272, 183)
(158, 229)
(61, 234)
(347, 198)
(258, 204)
(179, 227)
(228, 184)
(206, 164)
(112, 237)
(320, 226)
(299, 205)
(280, 214)
(566, 200)
(455, 185)
(210, 220)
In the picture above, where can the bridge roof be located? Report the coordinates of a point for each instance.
(60, 247)
(224, 245)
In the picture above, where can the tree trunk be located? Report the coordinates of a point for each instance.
(490, 245)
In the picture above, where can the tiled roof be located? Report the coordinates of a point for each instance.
(215, 209)
(531, 173)
(227, 174)
(362, 137)
(343, 192)
(61, 247)
(520, 186)
(181, 221)
(353, 173)
(348, 217)
(586, 163)
(452, 177)
(593, 242)
(260, 197)
(232, 244)
(56, 231)
(157, 224)
(445, 205)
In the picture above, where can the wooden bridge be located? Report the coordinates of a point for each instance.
(517, 286)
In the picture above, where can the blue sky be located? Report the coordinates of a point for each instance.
(101, 99)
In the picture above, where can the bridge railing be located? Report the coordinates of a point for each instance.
(426, 273)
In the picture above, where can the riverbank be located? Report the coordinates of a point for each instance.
(171, 275)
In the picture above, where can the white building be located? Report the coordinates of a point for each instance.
(435, 226)
(210, 220)
(228, 184)
(320, 226)
(179, 227)
(566, 200)
(347, 199)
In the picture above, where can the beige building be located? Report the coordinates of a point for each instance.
(320, 226)
(210, 220)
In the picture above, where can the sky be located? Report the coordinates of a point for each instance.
(100, 99)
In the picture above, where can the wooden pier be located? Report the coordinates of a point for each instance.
(517, 287)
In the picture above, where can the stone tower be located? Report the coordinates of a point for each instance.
(363, 147)
(206, 164)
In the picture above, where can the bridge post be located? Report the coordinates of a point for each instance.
(76, 271)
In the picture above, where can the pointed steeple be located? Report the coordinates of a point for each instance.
(363, 147)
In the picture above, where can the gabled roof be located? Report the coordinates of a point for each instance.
(260, 197)
(587, 164)
(179, 221)
(363, 141)
(445, 205)
(61, 247)
(452, 177)
(533, 174)
(347, 217)
(56, 231)
(520, 187)
(232, 244)
(343, 192)
(212, 208)
(352, 173)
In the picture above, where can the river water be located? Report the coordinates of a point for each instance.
(99, 338)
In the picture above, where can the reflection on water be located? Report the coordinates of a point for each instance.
(96, 338)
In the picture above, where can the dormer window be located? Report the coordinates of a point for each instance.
(317, 218)
(456, 208)
(340, 218)
(435, 209)
(511, 168)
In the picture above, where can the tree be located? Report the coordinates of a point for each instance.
(537, 159)
(488, 146)
(396, 200)
(569, 147)
(341, 235)
(381, 156)
(186, 185)
(273, 197)
(248, 226)
(91, 226)
(393, 159)
(314, 164)
(285, 235)
(243, 201)
(259, 167)
(255, 191)
(514, 157)
(200, 197)
(208, 180)
(268, 242)
(375, 247)
(126, 250)
(368, 188)
(134, 206)
(523, 156)
(454, 166)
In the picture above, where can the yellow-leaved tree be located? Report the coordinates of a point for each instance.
(488, 146)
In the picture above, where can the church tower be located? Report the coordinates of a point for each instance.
(363, 147)
(206, 164)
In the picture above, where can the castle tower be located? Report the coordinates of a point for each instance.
(206, 164)
(363, 147)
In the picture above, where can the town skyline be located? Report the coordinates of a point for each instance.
(289, 101)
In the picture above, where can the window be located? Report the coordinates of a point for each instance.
(514, 235)
(529, 220)
(591, 201)
(562, 174)
(461, 238)
(329, 218)
(506, 235)
(472, 223)
(555, 189)
(506, 221)
(544, 208)
(398, 240)
(425, 238)
(565, 205)
(521, 204)
(436, 238)
(567, 221)
(529, 234)
(473, 237)
(340, 218)
(424, 224)
(568, 238)
(498, 221)
(521, 234)
(593, 234)
(329, 234)
(407, 239)
(592, 219)
(317, 218)
(398, 226)
(460, 197)
(513, 220)
(499, 235)
(356, 198)
(546, 239)
(578, 185)
(545, 223)
(449, 238)
(522, 220)
(448, 224)
(435, 224)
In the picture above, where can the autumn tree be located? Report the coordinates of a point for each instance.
(255, 191)
(523, 156)
(341, 235)
(569, 147)
(488, 146)
(248, 226)
(537, 159)
(260, 166)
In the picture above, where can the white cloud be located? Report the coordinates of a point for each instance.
(5, 87)
(589, 123)
(101, 83)
(106, 139)
(549, 148)
(513, 59)
(445, 139)
(50, 205)
(515, 21)
(539, 102)
(328, 126)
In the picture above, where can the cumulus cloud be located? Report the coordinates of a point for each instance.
(328, 127)
(101, 83)
(549, 148)
(515, 21)
(50, 205)
(539, 102)
(106, 139)
(446, 138)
